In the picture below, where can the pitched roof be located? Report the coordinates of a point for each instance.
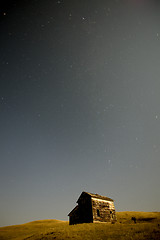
(96, 196)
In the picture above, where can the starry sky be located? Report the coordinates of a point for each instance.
(79, 106)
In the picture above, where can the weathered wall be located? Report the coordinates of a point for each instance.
(82, 214)
(103, 210)
(85, 208)
(74, 218)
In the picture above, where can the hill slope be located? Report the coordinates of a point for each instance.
(147, 226)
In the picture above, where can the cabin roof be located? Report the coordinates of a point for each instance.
(73, 210)
(93, 195)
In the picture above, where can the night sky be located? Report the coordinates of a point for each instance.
(79, 106)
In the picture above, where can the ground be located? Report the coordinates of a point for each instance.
(129, 226)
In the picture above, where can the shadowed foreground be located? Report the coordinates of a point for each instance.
(130, 225)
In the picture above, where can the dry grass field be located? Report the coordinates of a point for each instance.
(130, 225)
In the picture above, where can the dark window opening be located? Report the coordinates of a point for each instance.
(111, 214)
(98, 213)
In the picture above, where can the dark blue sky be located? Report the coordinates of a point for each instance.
(79, 106)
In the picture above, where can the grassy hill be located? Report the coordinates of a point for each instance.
(144, 225)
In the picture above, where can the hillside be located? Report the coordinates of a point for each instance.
(146, 226)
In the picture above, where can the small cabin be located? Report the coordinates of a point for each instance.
(93, 208)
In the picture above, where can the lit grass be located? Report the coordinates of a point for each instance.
(147, 226)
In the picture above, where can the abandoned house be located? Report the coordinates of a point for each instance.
(92, 208)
